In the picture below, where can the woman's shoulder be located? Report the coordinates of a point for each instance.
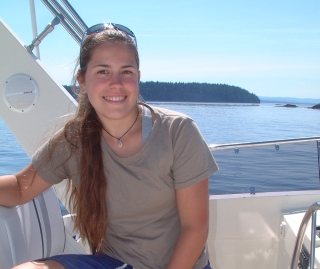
(63, 140)
(165, 113)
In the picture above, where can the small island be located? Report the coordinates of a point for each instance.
(195, 92)
(316, 106)
(287, 105)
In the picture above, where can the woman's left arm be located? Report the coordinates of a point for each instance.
(193, 206)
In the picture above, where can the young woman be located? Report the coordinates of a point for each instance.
(138, 174)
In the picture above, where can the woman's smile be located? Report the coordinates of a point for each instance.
(114, 98)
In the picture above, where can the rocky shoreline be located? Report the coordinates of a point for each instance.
(316, 106)
(293, 106)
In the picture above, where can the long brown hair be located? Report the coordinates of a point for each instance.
(83, 134)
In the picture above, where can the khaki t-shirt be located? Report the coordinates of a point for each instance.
(143, 220)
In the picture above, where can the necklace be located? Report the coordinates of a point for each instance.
(119, 138)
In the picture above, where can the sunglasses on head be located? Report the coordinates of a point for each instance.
(104, 26)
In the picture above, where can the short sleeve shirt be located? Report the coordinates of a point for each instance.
(143, 220)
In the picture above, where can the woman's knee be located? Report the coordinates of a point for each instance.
(47, 264)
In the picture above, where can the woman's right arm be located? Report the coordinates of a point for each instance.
(22, 187)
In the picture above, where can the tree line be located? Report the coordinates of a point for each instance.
(193, 92)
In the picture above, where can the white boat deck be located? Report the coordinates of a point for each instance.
(245, 230)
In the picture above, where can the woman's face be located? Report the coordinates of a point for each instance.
(112, 81)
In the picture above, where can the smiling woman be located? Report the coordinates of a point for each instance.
(134, 177)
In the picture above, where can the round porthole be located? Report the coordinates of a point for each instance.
(21, 93)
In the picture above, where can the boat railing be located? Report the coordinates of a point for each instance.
(68, 18)
(310, 214)
(214, 147)
(267, 166)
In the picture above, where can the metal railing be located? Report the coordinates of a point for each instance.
(72, 22)
(288, 164)
(311, 213)
(69, 19)
(263, 143)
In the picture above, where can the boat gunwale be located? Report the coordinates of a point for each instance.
(263, 194)
(214, 147)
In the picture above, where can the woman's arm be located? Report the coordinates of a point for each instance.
(193, 206)
(21, 187)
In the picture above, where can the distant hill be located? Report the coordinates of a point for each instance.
(291, 100)
(193, 92)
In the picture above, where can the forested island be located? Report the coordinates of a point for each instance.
(193, 92)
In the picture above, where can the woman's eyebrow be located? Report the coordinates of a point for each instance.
(102, 65)
(128, 65)
(107, 65)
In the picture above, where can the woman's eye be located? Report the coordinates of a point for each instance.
(103, 72)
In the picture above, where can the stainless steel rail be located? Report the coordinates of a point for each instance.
(254, 145)
(318, 148)
(49, 28)
(264, 143)
(75, 15)
(73, 24)
(74, 27)
(303, 226)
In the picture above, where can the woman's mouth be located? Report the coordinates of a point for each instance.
(114, 98)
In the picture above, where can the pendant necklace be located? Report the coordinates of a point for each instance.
(119, 138)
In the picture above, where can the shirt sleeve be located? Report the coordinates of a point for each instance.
(193, 161)
(53, 166)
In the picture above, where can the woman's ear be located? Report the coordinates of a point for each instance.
(81, 82)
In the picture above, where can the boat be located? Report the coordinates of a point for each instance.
(267, 230)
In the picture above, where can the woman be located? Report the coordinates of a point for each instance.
(138, 175)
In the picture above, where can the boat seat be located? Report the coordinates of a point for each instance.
(32, 231)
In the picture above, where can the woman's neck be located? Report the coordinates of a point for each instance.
(119, 127)
(124, 137)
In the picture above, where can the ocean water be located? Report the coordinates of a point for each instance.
(266, 169)
(290, 167)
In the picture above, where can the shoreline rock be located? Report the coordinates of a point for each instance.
(287, 105)
(316, 106)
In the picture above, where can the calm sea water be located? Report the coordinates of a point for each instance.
(291, 167)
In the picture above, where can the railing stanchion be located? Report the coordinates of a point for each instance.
(318, 149)
(313, 239)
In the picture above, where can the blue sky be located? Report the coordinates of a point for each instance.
(270, 48)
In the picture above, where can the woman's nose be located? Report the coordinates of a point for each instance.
(116, 79)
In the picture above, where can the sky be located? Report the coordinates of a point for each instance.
(270, 48)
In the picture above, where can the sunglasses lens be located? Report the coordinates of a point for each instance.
(124, 29)
(127, 31)
(96, 28)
